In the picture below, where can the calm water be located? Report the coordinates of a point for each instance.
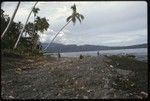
(140, 53)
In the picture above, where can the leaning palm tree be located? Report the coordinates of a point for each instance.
(75, 15)
(35, 11)
(24, 26)
(11, 20)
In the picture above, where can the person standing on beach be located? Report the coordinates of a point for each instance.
(98, 53)
(59, 55)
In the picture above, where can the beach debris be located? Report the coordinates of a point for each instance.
(78, 67)
(132, 84)
(138, 96)
(91, 69)
(117, 64)
(18, 69)
(76, 82)
(111, 66)
(144, 94)
(30, 60)
(114, 83)
(82, 87)
(34, 89)
(27, 86)
(89, 91)
(66, 81)
(58, 94)
(102, 71)
(18, 72)
(85, 97)
(11, 97)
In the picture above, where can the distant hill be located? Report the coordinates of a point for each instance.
(55, 47)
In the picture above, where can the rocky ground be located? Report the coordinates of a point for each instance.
(70, 78)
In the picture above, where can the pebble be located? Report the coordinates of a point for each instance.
(111, 66)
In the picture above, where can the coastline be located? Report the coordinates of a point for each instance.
(73, 78)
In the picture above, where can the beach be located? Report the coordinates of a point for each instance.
(73, 78)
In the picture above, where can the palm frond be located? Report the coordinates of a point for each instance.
(69, 18)
(73, 8)
(74, 20)
(82, 17)
(35, 10)
(78, 17)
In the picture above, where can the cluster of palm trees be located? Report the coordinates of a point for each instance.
(75, 15)
(34, 10)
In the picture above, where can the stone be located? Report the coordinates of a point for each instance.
(85, 97)
(11, 97)
(111, 66)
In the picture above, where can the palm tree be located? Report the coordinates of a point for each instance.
(11, 20)
(24, 26)
(75, 15)
(35, 11)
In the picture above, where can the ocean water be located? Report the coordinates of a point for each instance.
(140, 53)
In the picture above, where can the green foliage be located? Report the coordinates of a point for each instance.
(41, 24)
(27, 45)
(75, 15)
(11, 36)
(35, 11)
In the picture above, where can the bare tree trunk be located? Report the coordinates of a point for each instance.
(24, 26)
(11, 20)
(56, 35)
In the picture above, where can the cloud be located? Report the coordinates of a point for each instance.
(50, 34)
(106, 23)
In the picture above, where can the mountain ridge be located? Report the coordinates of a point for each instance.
(55, 47)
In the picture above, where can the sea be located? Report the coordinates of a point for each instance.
(140, 53)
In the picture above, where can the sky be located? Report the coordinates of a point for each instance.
(109, 23)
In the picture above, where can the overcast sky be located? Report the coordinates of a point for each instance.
(110, 23)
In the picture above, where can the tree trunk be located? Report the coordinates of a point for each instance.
(24, 26)
(56, 35)
(11, 20)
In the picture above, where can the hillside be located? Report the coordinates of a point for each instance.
(55, 47)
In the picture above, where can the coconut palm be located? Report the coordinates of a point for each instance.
(75, 15)
(24, 26)
(11, 20)
(35, 11)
